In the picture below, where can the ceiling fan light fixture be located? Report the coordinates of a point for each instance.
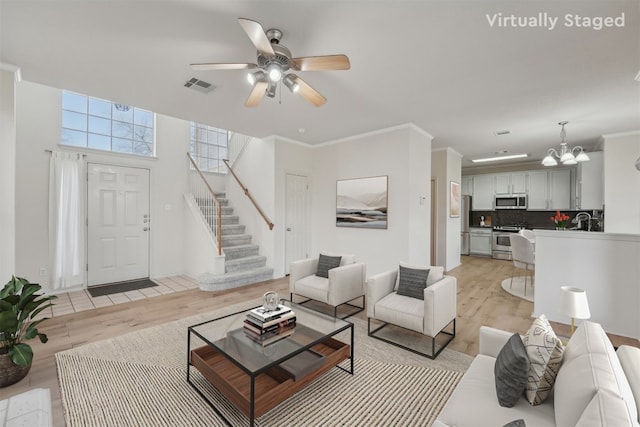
(271, 90)
(290, 82)
(258, 76)
(274, 72)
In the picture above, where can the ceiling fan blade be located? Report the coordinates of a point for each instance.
(256, 95)
(319, 63)
(309, 93)
(214, 67)
(257, 35)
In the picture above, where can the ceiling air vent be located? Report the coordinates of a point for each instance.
(199, 85)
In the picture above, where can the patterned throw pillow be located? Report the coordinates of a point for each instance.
(412, 282)
(511, 371)
(545, 354)
(326, 263)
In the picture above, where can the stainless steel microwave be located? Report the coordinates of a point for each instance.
(515, 201)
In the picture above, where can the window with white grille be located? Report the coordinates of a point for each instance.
(104, 125)
(209, 147)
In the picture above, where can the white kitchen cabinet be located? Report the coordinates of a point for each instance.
(590, 183)
(510, 183)
(560, 189)
(467, 185)
(538, 195)
(549, 190)
(483, 193)
(480, 241)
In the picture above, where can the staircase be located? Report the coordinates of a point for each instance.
(243, 263)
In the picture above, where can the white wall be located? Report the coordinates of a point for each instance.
(38, 114)
(621, 183)
(386, 152)
(446, 167)
(295, 158)
(7, 176)
(256, 170)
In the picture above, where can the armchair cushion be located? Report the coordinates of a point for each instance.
(326, 263)
(412, 281)
(313, 287)
(401, 311)
(436, 273)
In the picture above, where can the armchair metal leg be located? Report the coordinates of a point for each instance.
(432, 355)
(335, 308)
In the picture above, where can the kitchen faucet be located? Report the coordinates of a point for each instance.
(578, 219)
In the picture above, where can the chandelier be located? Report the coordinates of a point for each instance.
(566, 154)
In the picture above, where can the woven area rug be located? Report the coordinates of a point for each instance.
(139, 379)
(518, 288)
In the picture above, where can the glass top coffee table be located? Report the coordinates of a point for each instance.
(255, 377)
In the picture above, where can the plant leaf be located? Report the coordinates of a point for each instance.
(8, 322)
(43, 338)
(21, 354)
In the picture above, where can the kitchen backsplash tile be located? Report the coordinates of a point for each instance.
(529, 219)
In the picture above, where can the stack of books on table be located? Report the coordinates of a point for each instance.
(268, 326)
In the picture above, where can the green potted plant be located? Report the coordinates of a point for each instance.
(19, 305)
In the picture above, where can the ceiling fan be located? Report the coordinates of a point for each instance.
(274, 61)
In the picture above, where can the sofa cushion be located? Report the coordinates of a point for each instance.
(545, 354)
(412, 281)
(629, 358)
(402, 311)
(313, 287)
(435, 273)
(326, 263)
(591, 338)
(605, 409)
(511, 371)
(474, 401)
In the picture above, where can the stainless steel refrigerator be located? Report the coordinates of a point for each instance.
(465, 211)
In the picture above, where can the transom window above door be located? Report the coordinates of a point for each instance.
(104, 125)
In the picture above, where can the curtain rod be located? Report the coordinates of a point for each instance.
(84, 156)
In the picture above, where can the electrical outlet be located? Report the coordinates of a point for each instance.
(43, 272)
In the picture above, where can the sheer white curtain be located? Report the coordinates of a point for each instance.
(66, 219)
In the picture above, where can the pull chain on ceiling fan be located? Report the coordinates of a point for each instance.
(274, 61)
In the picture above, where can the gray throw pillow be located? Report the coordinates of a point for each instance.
(326, 263)
(511, 371)
(412, 282)
(516, 423)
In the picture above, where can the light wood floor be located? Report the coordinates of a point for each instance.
(481, 301)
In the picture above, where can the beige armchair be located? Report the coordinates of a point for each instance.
(429, 317)
(344, 283)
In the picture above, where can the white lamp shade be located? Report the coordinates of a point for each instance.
(567, 157)
(573, 303)
(582, 157)
(549, 161)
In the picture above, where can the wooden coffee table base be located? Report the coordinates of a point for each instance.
(269, 388)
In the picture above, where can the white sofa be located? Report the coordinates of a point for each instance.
(595, 386)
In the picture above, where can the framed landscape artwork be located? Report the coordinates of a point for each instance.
(362, 202)
(454, 196)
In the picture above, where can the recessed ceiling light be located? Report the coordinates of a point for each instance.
(301, 130)
(495, 159)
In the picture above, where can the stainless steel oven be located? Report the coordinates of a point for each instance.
(501, 242)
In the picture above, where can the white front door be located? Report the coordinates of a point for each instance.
(118, 224)
(296, 219)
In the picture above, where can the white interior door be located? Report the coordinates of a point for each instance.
(118, 224)
(296, 219)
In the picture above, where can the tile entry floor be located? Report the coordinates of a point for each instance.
(81, 300)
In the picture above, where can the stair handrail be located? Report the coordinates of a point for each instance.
(246, 193)
(218, 206)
